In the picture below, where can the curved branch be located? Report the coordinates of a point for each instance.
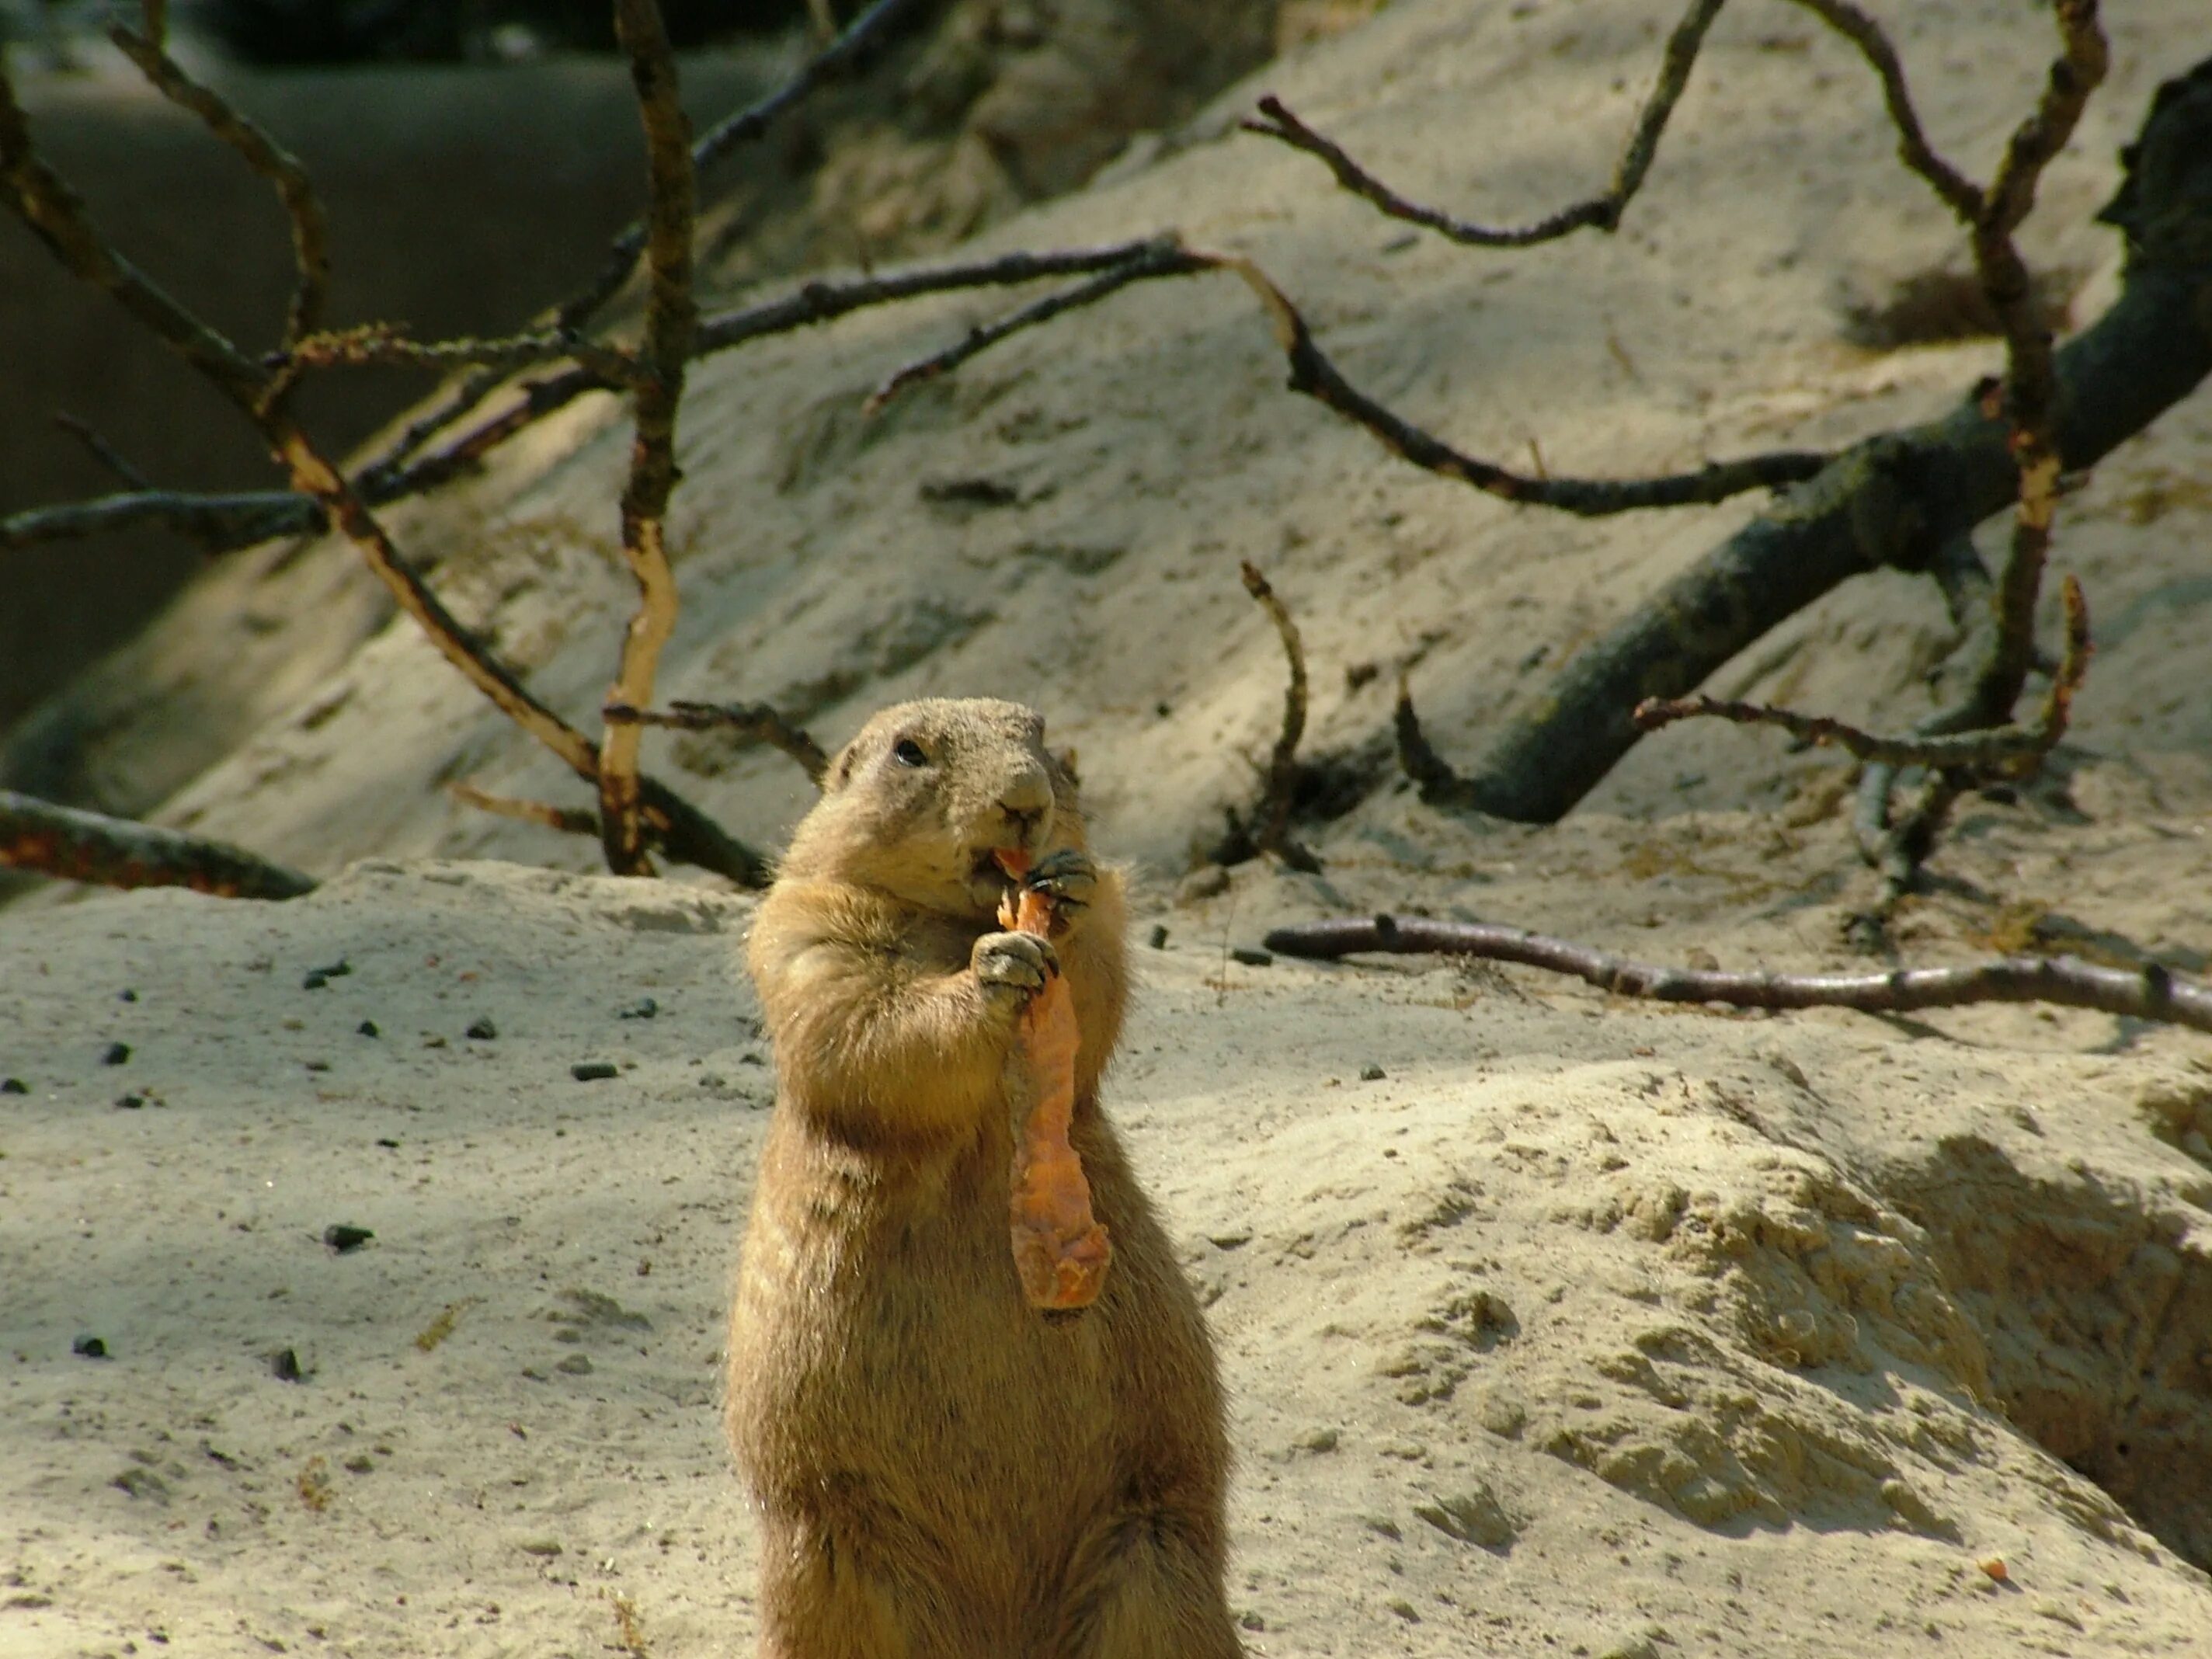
(1312, 374)
(2149, 992)
(1603, 210)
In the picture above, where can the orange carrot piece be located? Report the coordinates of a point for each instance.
(1060, 1251)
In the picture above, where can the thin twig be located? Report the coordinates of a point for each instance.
(2012, 749)
(822, 299)
(1312, 374)
(102, 451)
(753, 722)
(383, 345)
(671, 317)
(1271, 819)
(1164, 259)
(310, 228)
(2147, 993)
(1603, 210)
(1960, 193)
(2030, 380)
(56, 213)
(569, 820)
(217, 522)
(77, 846)
(747, 127)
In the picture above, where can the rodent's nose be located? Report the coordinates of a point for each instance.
(1026, 798)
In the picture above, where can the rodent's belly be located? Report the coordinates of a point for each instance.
(902, 1351)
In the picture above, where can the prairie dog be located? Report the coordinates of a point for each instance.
(942, 1472)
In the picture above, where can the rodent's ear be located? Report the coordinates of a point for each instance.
(1065, 760)
(841, 769)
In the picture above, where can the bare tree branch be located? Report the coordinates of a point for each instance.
(2149, 993)
(383, 345)
(310, 229)
(1961, 194)
(76, 846)
(219, 522)
(1899, 498)
(671, 317)
(568, 820)
(102, 451)
(55, 213)
(754, 722)
(1270, 829)
(2003, 748)
(1164, 259)
(747, 127)
(1312, 374)
(1276, 121)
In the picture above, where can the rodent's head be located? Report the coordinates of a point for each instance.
(917, 804)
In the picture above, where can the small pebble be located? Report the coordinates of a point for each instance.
(368, 1028)
(643, 1008)
(128, 996)
(1370, 1074)
(115, 1053)
(1159, 939)
(338, 969)
(1251, 957)
(89, 1348)
(591, 1070)
(285, 1365)
(482, 1032)
(129, 1103)
(576, 1364)
(315, 980)
(14, 1086)
(386, 1140)
(318, 1065)
(344, 1237)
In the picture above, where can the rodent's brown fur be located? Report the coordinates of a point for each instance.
(942, 1472)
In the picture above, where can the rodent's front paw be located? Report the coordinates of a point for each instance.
(1068, 878)
(1012, 968)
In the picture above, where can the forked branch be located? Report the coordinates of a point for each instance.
(2012, 749)
(754, 722)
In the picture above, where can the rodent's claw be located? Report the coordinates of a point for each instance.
(1013, 967)
(1068, 878)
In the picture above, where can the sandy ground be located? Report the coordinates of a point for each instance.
(1581, 1329)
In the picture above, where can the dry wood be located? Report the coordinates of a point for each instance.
(1603, 211)
(1164, 258)
(54, 212)
(2013, 750)
(671, 319)
(1270, 828)
(310, 228)
(754, 722)
(1314, 374)
(90, 846)
(568, 820)
(2149, 992)
(102, 451)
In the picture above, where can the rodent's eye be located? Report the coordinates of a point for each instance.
(907, 752)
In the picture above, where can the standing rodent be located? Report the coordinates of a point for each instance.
(942, 1472)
